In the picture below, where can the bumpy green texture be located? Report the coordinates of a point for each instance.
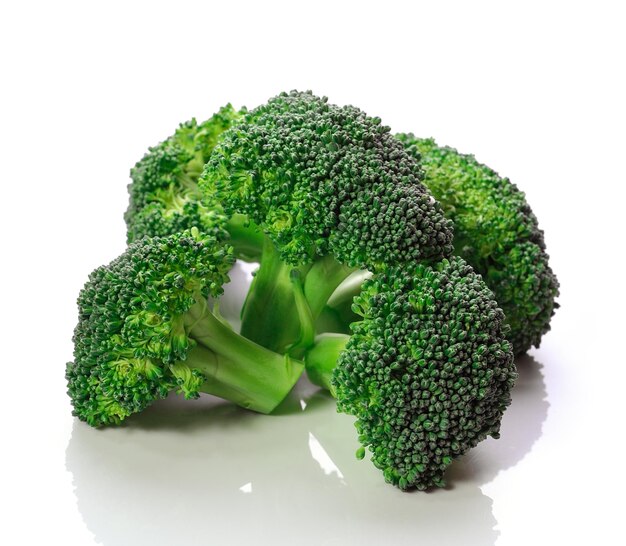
(497, 233)
(164, 196)
(131, 329)
(427, 371)
(145, 329)
(322, 179)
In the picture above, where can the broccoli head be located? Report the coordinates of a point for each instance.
(497, 233)
(427, 371)
(145, 329)
(164, 194)
(322, 179)
(333, 190)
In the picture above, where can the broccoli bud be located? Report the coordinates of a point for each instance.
(497, 233)
(322, 179)
(427, 371)
(164, 194)
(144, 329)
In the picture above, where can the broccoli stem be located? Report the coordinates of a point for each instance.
(322, 280)
(306, 321)
(273, 316)
(321, 359)
(269, 302)
(338, 314)
(245, 237)
(236, 368)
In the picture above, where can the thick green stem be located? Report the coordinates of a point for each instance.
(269, 315)
(337, 314)
(272, 316)
(305, 318)
(321, 359)
(347, 290)
(246, 238)
(236, 368)
(322, 280)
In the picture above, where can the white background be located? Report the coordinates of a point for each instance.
(534, 89)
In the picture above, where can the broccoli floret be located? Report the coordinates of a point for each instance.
(164, 195)
(145, 329)
(497, 233)
(427, 371)
(332, 189)
(322, 179)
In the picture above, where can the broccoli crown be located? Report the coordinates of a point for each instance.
(427, 371)
(130, 342)
(320, 178)
(164, 195)
(497, 233)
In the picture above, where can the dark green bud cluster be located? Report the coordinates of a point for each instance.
(320, 179)
(164, 195)
(131, 342)
(427, 372)
(497, 233)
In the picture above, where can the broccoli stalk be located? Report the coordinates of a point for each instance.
(274, 313)
(235, 368)
(322, 357)
(245, 238)
(145, 329)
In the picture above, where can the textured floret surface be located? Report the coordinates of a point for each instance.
(497, 233)
(130, 342)
(427, 372)
(322, 179)
(164, 195)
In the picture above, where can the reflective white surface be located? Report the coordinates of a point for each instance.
(186, 470)
(534, 89)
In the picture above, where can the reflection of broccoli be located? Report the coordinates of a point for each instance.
(144, 329)
(497, 233)
(164, 196)
(426, 372)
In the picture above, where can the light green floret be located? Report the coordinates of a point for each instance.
(145, 329)
(497, 233)
(164, 195)
(427, 371)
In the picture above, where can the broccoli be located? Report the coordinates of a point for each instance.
(332, 189)
(427, 371)
(352, 246)
(497, 233)
(322, 179)
(145, 329)
(164, 195)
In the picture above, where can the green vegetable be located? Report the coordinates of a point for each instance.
(145, 329)
(427, 371)
(497, 233)
(164, 195)
(333, 190)
(352, 247)
(322, 179)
